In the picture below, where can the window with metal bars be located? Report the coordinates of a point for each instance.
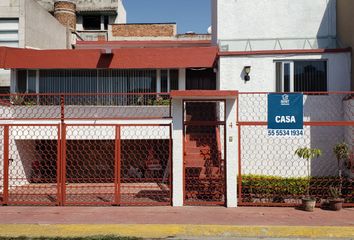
(169, 80)
(301, 76)
(97, 81)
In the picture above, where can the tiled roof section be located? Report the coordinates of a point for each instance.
(127, 58)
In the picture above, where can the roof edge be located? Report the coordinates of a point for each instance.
(290, 51)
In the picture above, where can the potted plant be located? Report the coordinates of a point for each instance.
(308, 203)
(341, 151)
(335, 202)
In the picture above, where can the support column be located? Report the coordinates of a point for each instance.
(182, 79)
(102, 22)
(231, 153)
(177, 136)
(158, 80)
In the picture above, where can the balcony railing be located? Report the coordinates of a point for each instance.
(85, 106)
(93, 35)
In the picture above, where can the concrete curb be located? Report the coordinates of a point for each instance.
(163, 231)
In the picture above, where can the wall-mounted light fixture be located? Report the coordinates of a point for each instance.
(247, 71)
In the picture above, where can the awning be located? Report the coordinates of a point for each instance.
(127, 58)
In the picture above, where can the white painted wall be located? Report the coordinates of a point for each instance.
(231, 153)
(260, 19)
(39, 29)
(265, 155)
(263, 75)
(182, 79)
(177, 152)
(22, 151)
(274, 156)
(122, 14)
(9, 8)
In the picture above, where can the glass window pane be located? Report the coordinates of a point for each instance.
(310, 76)
(21, 86)
(278, 76)
(164, 78)
(174, 79)
(32, 75)
(286, 77)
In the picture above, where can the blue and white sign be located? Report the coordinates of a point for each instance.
(285, 114)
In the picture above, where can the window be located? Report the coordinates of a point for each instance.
(301, 76)
(174, 79)
(169, 80)
(21, 83)
(26, 81)
(91, 22)
(197, 79)
(31, 81)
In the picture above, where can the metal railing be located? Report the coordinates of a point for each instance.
(85, 106)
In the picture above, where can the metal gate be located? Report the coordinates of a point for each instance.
(30, 164)
(204, 152)
(73, 164)
(270, 174)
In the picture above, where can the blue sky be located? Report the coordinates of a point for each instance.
(190, 15)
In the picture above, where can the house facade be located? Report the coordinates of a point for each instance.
(148, 119)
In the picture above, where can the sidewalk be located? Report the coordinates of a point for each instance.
(160, 222)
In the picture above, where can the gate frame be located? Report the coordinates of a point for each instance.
(170, 159)
(204, 123)
(6, 169)
(61, 165)
(241, 124)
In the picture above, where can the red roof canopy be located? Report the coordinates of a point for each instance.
(125, 58)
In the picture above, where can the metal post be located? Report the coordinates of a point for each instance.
(6, 166)
(117, 159)
(62, 108)
(63, 164)
(170, 163)
(59, 172)
(239, 193)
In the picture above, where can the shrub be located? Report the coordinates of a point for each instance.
(277, 189)
(270, 185)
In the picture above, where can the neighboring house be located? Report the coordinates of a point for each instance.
(150, 119)
(36, 24)
(283, 42)
(345, 26)
(25, 24)
(90, 19)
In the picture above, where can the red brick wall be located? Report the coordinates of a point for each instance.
(65, 13)
(144, 30)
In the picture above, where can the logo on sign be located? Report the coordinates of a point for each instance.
(285, 100)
